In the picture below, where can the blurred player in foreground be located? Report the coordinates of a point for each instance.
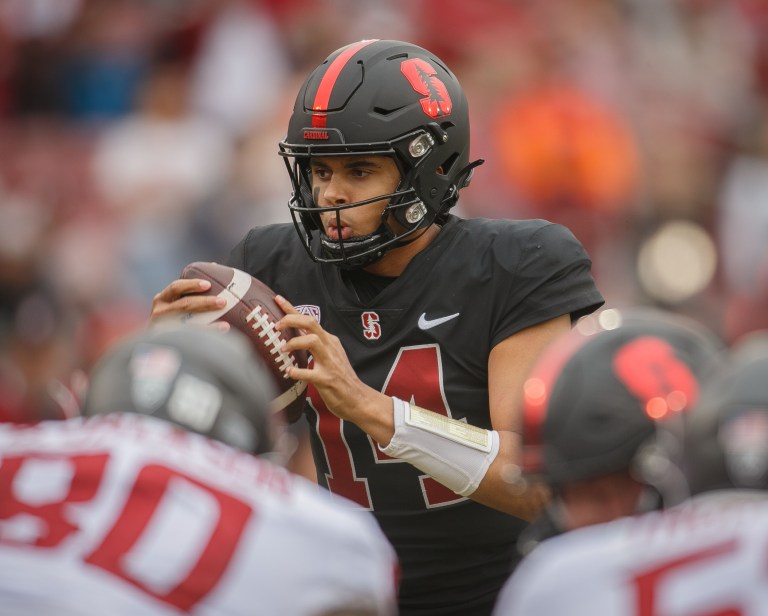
(591, 405)
(703, 556)
(153, 504)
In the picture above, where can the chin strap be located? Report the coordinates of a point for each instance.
(357, 252)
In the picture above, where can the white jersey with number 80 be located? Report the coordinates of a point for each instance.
(126, 515)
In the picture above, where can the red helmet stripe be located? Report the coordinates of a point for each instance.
(325, 88)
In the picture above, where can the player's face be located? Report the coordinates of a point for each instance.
(602, 499)
(347, 179)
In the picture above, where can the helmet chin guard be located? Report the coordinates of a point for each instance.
(380, 98)
(357, 252)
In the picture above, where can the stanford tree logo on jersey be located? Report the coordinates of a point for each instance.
(371, 325)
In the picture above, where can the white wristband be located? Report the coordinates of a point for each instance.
(453, 452)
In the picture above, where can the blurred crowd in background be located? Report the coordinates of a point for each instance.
(139, 135)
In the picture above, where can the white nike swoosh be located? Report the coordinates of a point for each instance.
(425, 323)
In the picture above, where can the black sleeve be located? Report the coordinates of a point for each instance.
(273, 254)
(552, 276)
(237, 255)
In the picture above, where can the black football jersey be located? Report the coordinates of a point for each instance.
(426, 337)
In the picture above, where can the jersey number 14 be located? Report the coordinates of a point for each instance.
(416, 375)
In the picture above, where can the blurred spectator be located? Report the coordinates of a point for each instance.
(38, 360)
(26, 19)
(106, 58)
(30, 35)
(254, 191)
(743, 232)
(155, 167)
(240, 41)
(133, 137)
(573, 160)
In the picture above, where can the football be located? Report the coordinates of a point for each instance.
(251, 308)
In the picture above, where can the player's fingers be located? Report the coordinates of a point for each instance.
(322, 373)
(187, 304)
(301, 322)
(199, 303)
(305, 342)
(295, 319)
(163, 301)
(182, 286)
(301, 374)
(285, 305)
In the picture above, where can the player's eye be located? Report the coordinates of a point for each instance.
(321, 173)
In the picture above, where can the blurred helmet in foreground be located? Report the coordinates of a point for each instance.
(596, 395)
(199, 378)
(725, 439)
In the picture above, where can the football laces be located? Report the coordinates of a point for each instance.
(271, 338)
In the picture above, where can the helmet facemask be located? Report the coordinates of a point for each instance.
(405, 213)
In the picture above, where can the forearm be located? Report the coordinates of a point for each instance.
(474, 462)
(504, 488)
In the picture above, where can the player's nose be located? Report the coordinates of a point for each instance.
(334, 192)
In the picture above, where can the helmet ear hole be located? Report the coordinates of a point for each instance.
(445, 168)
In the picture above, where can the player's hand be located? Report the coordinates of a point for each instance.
(330, 372)
(182, 296)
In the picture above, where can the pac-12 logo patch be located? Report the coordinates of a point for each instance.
(371, 325)
(309, 309)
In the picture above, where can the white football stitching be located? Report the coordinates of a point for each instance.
(274, 341)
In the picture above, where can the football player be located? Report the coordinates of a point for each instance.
(705, 555)
(591, 405)
(152, 503)
(421, 325)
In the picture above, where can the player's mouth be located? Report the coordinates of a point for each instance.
(334, 232)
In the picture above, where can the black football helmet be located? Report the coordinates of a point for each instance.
(199, 378)
(380, 97)
(596, 396)
(725, 438)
